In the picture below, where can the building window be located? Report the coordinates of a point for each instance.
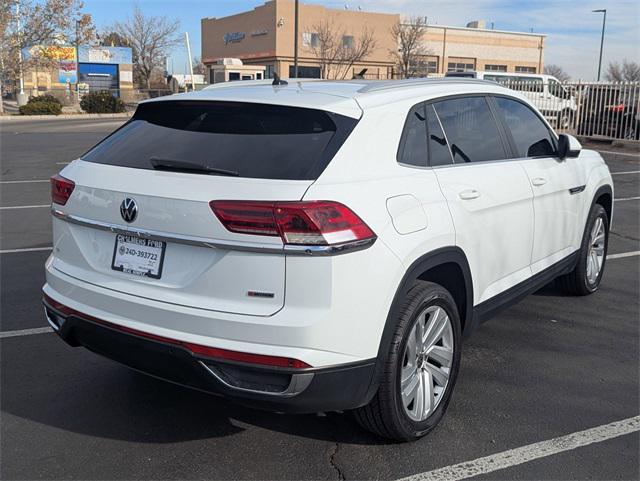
(269, 72)
(460, 67)
(425, 66)
(234, 76)
(310, 39)
(347, 41)
(304, 72)
(495, 68)
(521, 69)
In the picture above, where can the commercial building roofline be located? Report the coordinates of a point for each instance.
(484, 30)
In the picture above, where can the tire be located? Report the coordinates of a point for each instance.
(386, 415)
(581, 281)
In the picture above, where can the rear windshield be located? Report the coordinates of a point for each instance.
(226, 138)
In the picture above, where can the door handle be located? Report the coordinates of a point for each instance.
(538, 181)
(469, 194)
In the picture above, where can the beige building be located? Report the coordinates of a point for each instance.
(475, 48)
(265, 36)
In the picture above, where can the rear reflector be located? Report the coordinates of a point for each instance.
(297, 223)
(61, 189)
(197, 349)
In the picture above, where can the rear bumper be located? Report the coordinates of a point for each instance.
(306, 390)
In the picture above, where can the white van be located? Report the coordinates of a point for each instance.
(546, 92)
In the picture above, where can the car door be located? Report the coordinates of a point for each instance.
(557, 185)
(489, 197)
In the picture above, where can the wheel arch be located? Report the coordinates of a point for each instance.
(604, 197)
(447, 266)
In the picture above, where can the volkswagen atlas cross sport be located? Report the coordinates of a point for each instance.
(320, 246)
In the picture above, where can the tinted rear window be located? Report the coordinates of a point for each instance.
(252, 140)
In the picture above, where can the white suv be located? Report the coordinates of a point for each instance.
(320, 246)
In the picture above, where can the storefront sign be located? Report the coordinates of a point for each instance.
(233, 37)
(257, 33)
(112, 55)
(62, 55)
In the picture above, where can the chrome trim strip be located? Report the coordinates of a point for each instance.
(299, 382)
(292, 250)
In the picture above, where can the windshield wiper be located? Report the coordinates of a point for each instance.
(186, 166)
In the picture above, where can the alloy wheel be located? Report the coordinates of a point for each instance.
(595, 255)
(426, 363)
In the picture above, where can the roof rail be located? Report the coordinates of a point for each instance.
(255, 83)
(396, 84)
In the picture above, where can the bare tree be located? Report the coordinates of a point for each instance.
(411, 49)
(628, 71)
(557, 71)
(151, 39)
(42, 23)
(198, 66)
(338, 52)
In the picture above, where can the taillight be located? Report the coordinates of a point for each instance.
(61, 189)
(616, 108)
(297, 223)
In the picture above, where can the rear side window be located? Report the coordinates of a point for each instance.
(530, 134)
(439, 153)
(413, 144)
(231, 138)
(471, 129)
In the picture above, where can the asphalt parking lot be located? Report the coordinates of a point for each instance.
(548, 367)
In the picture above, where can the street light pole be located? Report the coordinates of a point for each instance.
(604, 21)
(295, 42)
(77, 60)
(21, 97)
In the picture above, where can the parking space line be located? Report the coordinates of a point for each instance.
(524, 454)
(624, 173)
(25, 249)
(25, 207)
(23, 181)
(626, 198)
(622, 255)
(618, 153)
(25, 332)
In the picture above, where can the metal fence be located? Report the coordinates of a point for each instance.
(608, 110)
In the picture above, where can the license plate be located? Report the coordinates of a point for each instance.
(140, 257)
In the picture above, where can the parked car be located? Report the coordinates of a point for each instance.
(610, 110)
(320, 246)
(546, 92)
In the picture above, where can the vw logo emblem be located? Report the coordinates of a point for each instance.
(129, 209)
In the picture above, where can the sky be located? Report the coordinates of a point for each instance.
(573, 31)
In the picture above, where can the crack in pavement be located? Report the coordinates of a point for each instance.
(622, 236)
(332, 461)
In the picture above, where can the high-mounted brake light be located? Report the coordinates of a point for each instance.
(61, 189)
(321, 223)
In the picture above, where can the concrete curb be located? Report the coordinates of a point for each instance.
(621, 144)
(627, 144)
(18, 118)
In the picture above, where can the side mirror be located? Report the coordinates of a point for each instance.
(568, 146)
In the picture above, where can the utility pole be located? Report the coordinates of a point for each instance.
(193, 82)
(295, 42)
(78, 60)
(604, 21)
(22, 97)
